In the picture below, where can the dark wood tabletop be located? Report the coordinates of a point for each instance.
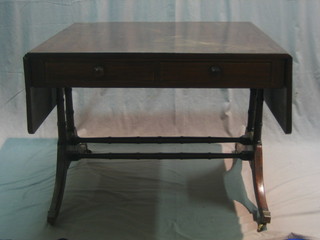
(161, 37)
(159, 55)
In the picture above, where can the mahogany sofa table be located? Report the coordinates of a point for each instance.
(158, 55)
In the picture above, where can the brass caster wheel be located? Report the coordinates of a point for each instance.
(261, 227)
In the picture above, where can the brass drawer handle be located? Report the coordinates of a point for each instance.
(215, 69)
(98, 71)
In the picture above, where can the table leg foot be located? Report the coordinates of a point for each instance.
(257, 171)
(261, 227)
(61, 173)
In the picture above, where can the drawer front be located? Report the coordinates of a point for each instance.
(86, 74)
(159, 73)
(217, 74)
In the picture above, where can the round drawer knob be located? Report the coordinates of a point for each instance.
(98, 71)
(215, 69)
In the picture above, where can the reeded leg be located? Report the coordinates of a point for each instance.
(72, 135)
(257, 171)
(67, 143)
(61, 174)
(71, 129)
(252, 111)
(62, 160)
(253, 131)
(257, 164)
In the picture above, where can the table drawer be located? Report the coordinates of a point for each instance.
(217, 74)
(78, 73)
(179, 74)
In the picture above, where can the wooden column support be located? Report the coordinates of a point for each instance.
(73, 148)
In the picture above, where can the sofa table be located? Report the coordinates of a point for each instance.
(158, 55)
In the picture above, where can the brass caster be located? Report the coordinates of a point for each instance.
(262, 227)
